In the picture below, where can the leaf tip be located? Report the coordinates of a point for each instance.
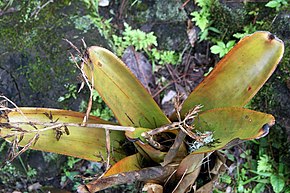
(271, 36)
(265, 129)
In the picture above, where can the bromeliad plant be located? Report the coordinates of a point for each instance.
(170, 151)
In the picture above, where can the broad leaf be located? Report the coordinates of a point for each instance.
(228, 124)
(78, 141)
(239, 75)
(127, 164)
(122, 92)
(277, 182)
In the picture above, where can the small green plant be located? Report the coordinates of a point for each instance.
(277, 4)
(99, 108)
(134, 37)
(221, 48)
(248, 29)
(31, 172)
(93, 20)
(268, 173)
(257, 174)
(142, 41)
(70, 173)
(202, 18)
(163, 57)
(9, 174)
(72, 93)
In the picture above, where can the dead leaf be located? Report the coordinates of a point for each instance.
(152, 188)
(157, 173)
(34, 186)
(217, 170)
(206, 188)
(186, 182)
(174, 148)
(140, 67)
(192, 33)
(186, 174)
(189, 163)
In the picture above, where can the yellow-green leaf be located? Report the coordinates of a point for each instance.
(78, 141)
(127, 164)
(230, 123)
(122, 92)
(239, 75)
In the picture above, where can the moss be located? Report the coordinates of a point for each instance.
(35, 51)
(157, 11)
(169, 11)
(227, 20)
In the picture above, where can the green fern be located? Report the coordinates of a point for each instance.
(264, 164)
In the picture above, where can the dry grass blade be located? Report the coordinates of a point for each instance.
(51, 126)
(18, 133)
(181, 179)
(108, 148)
(13, 151)
(80, 67)
(184, 125)
(6, 101)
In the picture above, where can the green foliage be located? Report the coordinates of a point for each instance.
(3, 145)
(267, 173)
(31, 172)
(277, 4)
(5, 4)
(264, 164)
(134, 37)
(71, 161)
(93, 20)
(142, 41)
(256, 174)
(50, 157)
(99, 108)
(202, 18)
(226, 179)
(221, 48)
(72, 93)
(277, 183)
(163, 57)
(71, 173)
(248, 29)
(92, 4)
(9, 174)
